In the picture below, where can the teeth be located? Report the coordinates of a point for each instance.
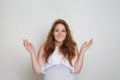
(59, 37)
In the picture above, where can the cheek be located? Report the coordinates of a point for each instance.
(54, 34)
(65, 34)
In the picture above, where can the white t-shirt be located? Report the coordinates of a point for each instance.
(56, 59)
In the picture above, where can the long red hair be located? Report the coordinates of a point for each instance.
(67, 49)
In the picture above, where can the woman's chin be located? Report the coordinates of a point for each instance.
(59, 42)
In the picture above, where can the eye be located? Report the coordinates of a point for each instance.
(56, 30)
(63, 30)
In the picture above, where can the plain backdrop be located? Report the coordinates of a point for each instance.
(32, 19)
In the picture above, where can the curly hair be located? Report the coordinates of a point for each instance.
(67, 49)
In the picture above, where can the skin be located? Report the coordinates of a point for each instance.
(59, 35)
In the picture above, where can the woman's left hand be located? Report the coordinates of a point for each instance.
(86, 46)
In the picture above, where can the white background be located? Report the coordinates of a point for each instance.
(32, 19)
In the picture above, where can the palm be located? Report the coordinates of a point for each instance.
(86, 46)
(29, 46)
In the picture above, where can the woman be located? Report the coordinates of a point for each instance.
(58, 57)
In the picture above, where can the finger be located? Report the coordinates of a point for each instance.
(23, 42)
(30, 44)
(90, 43)
(26, 43)
(91, 40)
(85, 43)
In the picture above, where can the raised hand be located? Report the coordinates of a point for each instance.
(28, 46)
(86, 46)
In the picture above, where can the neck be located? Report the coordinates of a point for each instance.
(58, 43)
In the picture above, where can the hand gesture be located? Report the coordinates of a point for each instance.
(29, 46)
(86, 46)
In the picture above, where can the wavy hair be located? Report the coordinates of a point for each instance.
(67, 49)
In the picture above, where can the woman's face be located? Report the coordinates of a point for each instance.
(59, 34)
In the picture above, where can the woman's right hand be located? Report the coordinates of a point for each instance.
(29, 46)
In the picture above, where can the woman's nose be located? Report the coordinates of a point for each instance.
(60, 33)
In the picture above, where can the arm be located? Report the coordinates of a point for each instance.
(80, 56)
(36, 61)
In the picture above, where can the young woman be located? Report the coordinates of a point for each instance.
(58, 58)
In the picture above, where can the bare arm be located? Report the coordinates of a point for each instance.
(80, 56)
(36, 61)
